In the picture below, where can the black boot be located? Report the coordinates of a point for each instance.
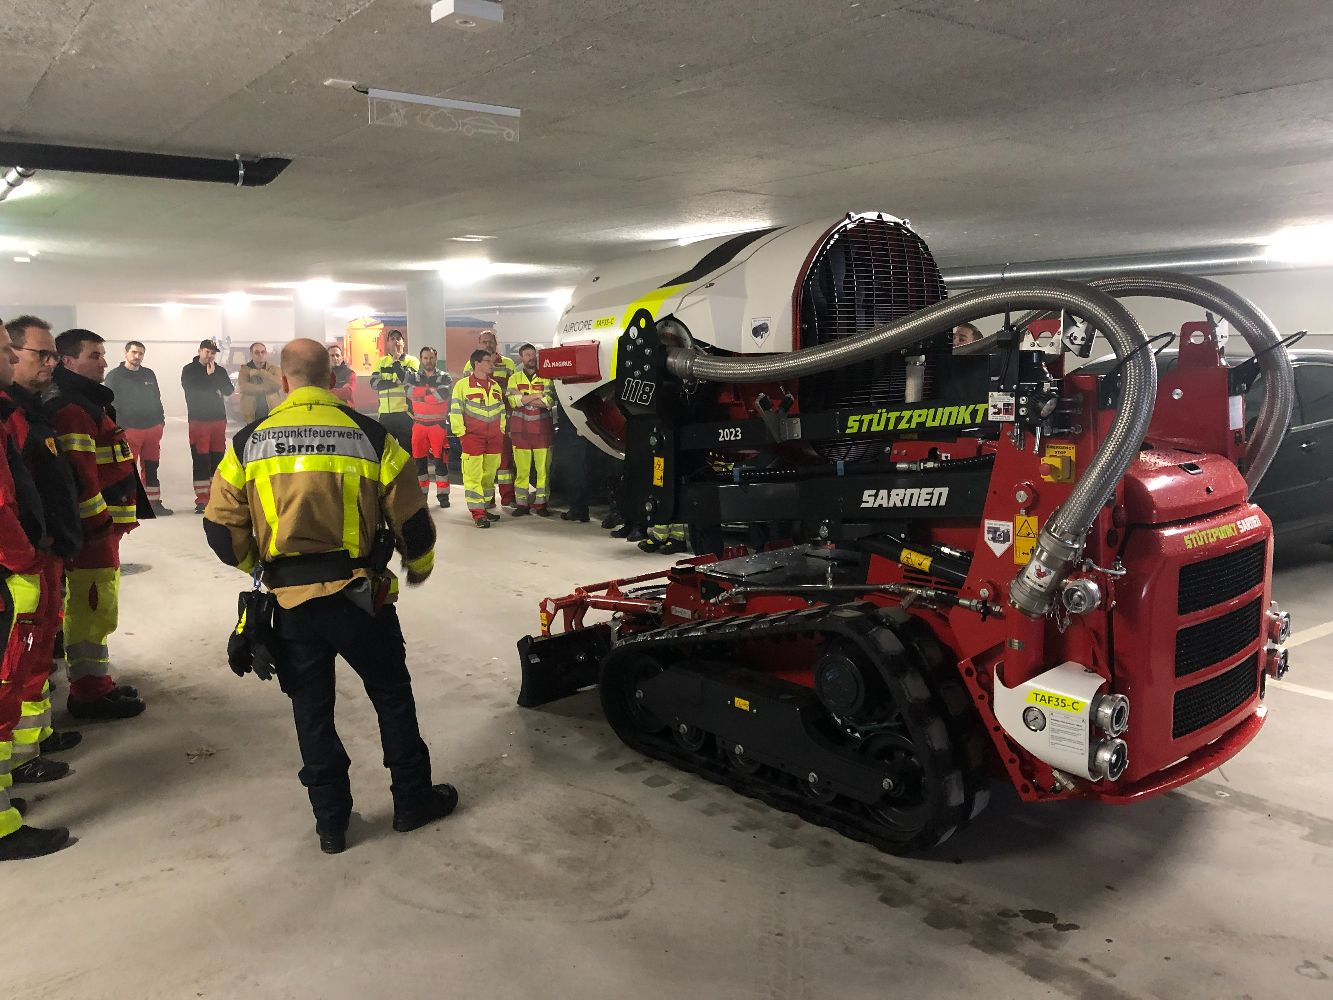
(332, 841)
(438, 803)
(442, 499)
(634, 535)
(60, 741)
(520, 512)
(39, 770)
(621, 532)
(115, 705)
(611, 520)
(32, 842)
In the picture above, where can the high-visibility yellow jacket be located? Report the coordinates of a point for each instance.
(390, 384)
(316, 477)
(530, 426)
(477, 416)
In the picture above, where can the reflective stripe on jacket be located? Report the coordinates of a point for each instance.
(315, 477)
(385, 380)
(477, 416)
(429, 397)
(530, 426)
(103, 465)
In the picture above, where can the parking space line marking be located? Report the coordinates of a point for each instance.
(1301, 689)
(1310, 635)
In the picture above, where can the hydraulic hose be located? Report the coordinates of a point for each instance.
(1060, 542)
(1259, 333)
(1253, 325)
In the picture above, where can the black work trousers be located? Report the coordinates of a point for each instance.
(400, 426)
(313, 634)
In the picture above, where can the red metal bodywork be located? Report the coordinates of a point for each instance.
(1181, 502)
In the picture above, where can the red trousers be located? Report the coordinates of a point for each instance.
(146, 443)
(27, 662)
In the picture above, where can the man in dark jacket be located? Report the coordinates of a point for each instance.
(206, 383)
(139, 410)
(22, 533)
(35, 435)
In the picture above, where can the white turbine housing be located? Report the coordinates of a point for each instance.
(736, 294)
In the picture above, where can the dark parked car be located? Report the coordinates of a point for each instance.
(1297, 491)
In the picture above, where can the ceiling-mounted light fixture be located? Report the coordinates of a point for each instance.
(467, 15)
(1302, 245)
(318, 292)
(235, 302)
(470, 238)
(13, 179)
(465, 271)
(171, 309)
(22, 260)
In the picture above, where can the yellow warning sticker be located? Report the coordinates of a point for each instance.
(1049, 699)
(1025, 538)
(915, 560)
(1058, 463)
(659, 471)
(742, 703)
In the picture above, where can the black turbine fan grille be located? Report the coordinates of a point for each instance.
(870, 272)
(1213, 641)
(1216, 698)
(1212, 581)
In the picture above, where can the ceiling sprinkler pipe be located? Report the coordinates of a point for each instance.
(235, 170)
(14, 178)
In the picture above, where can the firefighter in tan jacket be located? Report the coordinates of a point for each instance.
(302, 495)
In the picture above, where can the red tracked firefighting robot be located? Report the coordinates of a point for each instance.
(991, 566)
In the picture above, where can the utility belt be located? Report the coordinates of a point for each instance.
(328, 567)
(322, 567)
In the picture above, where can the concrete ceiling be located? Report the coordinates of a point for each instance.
(1004, 129)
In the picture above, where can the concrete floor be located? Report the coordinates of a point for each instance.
(576, 869)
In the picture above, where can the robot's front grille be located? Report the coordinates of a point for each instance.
(1214, 699)
(1210, 642)
(1212, 581)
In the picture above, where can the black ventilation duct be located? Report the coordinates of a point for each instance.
(238, 171)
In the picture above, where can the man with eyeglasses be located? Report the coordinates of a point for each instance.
(34, 433)
(139, 411)
(22, 537)
(108, 488)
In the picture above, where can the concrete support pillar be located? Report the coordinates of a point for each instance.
(309, 319)
(425, 315)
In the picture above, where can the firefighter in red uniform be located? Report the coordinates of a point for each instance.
(428, 402)
(531, 429)
(108, 488)
(22, 531)
(477, 418)
(35, 436)
(344, 379)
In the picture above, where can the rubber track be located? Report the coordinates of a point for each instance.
(876, 631)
